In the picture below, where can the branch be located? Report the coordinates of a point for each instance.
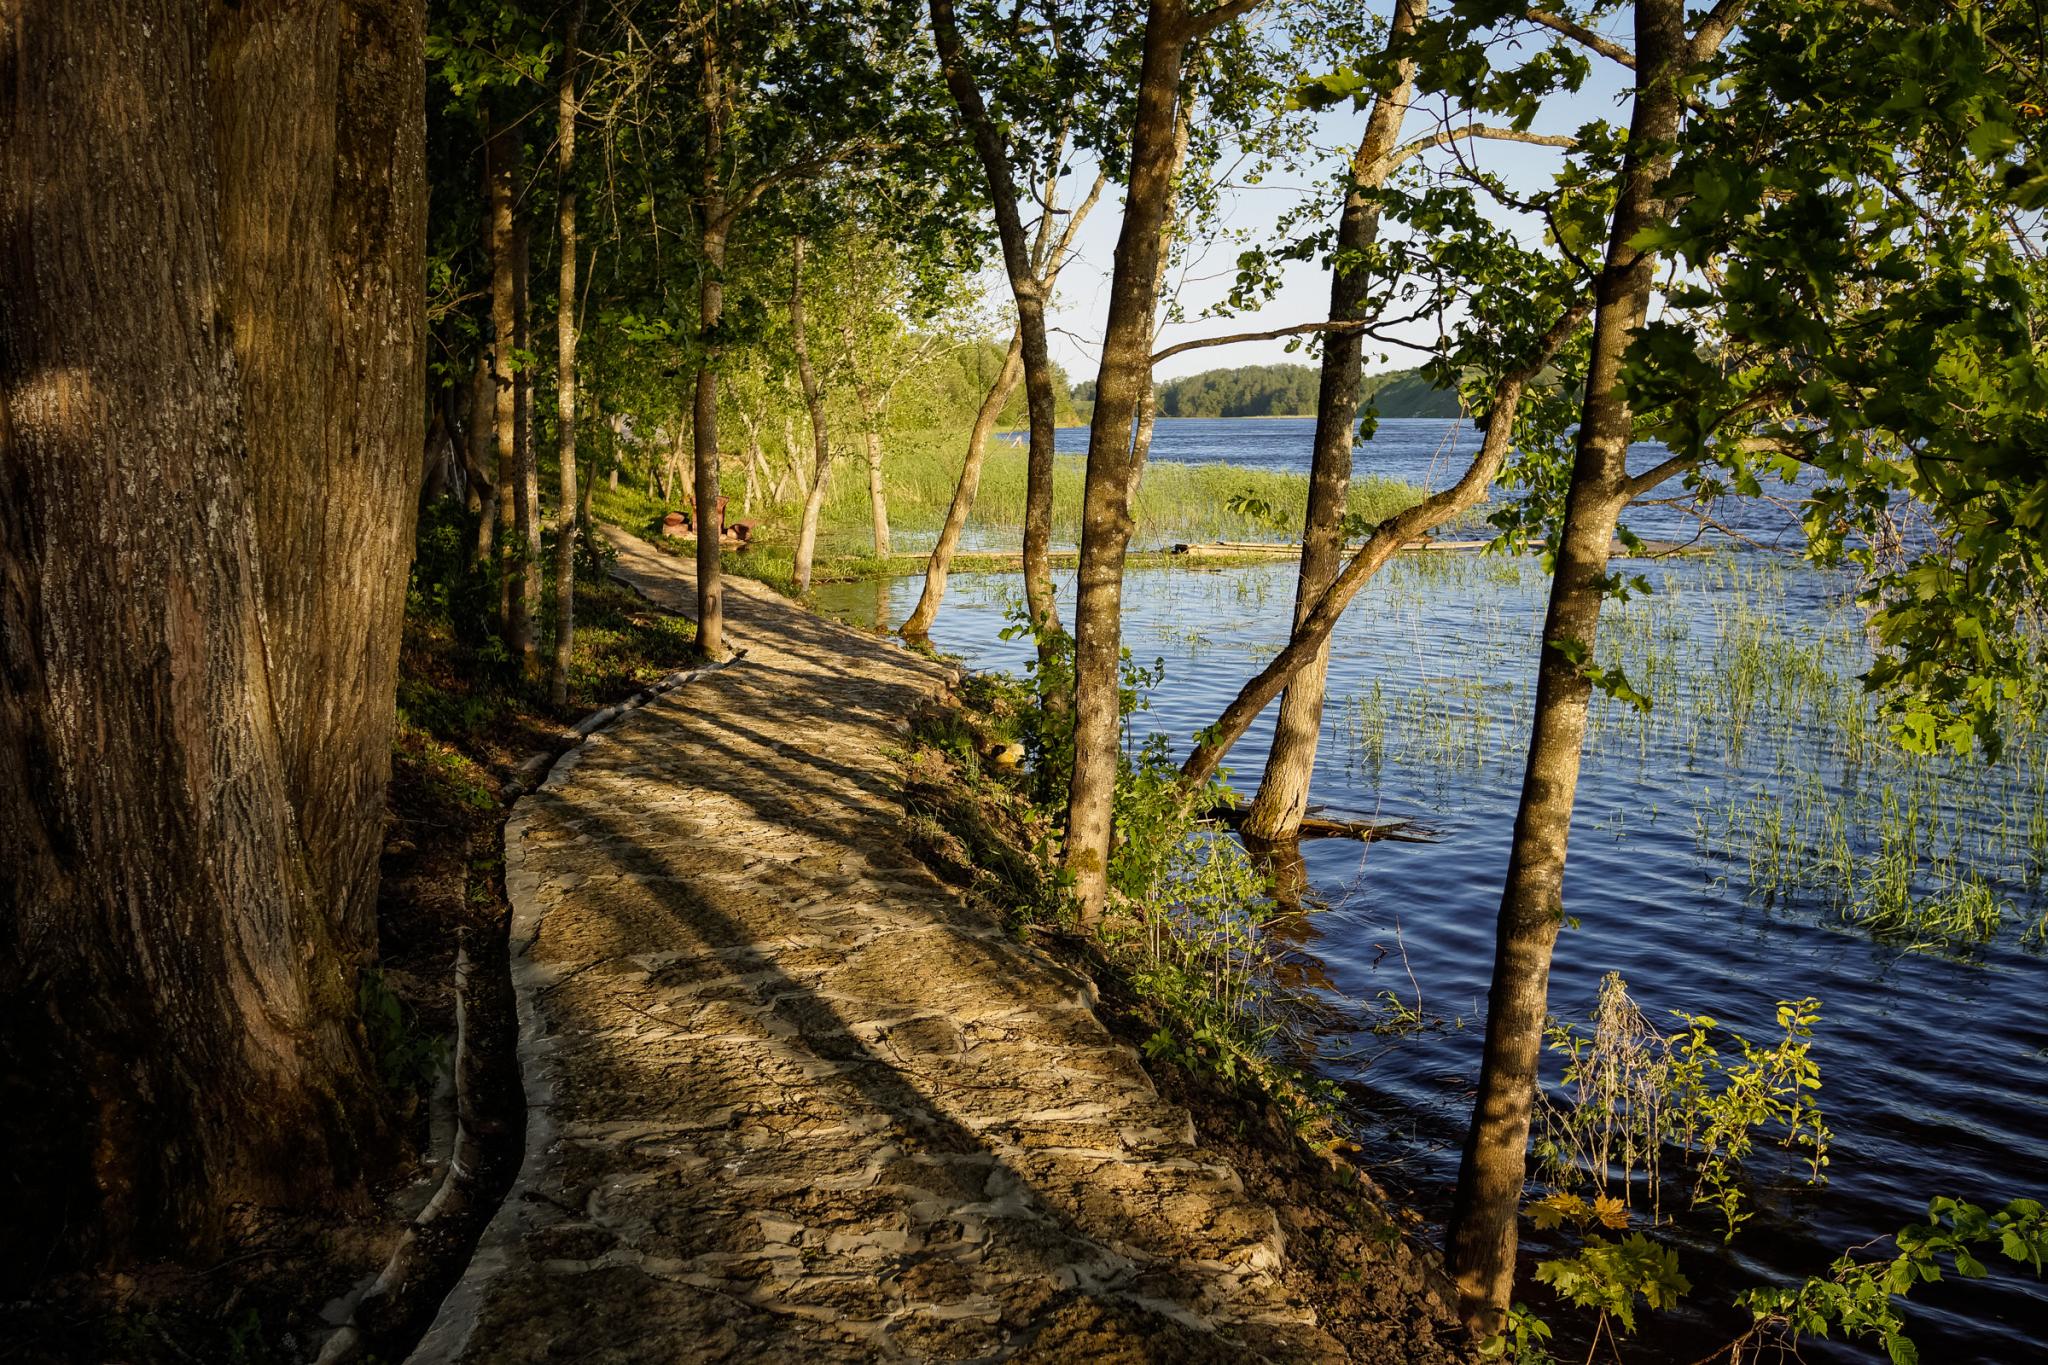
(1312, 630)
(1715, 28)
(1656, 474)
(1445, 136)
(1583, 36)
(799, 170)
(1055, 261)
(1296, 330)
(1208, 21)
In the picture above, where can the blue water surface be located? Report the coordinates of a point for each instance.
(1933, 1063)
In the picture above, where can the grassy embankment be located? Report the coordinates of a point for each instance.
(1175, 502)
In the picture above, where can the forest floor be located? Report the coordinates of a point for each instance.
(792, 1096)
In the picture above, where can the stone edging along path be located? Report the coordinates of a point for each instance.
(791, 1098)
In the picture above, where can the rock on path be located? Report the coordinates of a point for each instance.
(790, 1098)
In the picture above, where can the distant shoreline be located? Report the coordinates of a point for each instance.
(1260, 417)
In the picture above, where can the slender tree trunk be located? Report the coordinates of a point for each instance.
(565, 370)
(527, 553)
(710, 306)
(1125, 372)
(587, 477)
(1275, 814)
(796, 468)
(710, 592)
(918, 627)
(814, 400)
(757, 463)
(871, 439)
(480, 460)
(1030, 294)
(196, 722)
(435, 479)
(504, 337)
(1481, 1242)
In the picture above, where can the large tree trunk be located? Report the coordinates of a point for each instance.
(526, 554)
(209, 307)
(1275, 814)
(1480, 1245)
(1124, 374)
(565, 371)
(499, 149)
(919, 626)
(814, 401)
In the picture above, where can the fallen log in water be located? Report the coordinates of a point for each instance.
(1285, 549)
(1325, 827)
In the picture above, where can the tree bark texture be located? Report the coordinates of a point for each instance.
(1481, 1241)
(565, 370)
(211, 412)
(919, 626)
(710, 596)
(713, 221)
(1275, 814)
(1125, 371)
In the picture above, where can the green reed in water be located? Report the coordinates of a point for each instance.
(1801, 797)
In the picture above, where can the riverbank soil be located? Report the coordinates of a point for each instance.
(796, 1098)
(1350, 1253)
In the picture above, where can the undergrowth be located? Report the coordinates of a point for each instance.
(1185, 929)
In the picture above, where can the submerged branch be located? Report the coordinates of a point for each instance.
(1316, 625)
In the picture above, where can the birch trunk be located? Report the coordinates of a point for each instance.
(499, 151)
(814, 401)
(525, 588)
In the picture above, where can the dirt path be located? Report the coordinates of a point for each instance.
(790, 1098)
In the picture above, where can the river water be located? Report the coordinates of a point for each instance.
(1723, 846)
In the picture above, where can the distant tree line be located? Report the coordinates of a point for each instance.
(1290, 391)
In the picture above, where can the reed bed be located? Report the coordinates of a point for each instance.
(1759, 734)
(1175, 501)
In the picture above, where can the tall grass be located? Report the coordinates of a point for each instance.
(920, 469)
